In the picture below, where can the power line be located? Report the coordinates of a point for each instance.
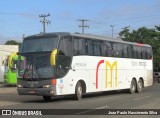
(134, 19)
(19, 14)
(44, 21)
(83, 26)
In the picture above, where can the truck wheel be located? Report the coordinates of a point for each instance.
(133, 86)
(140, 86)
(78, 91)
(46, 98)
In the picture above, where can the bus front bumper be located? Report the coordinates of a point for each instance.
(36, 91)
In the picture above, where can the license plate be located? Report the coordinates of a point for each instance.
(32, 92)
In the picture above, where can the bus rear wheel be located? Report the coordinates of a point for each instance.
(133, 86)
(140, 86)
(78, 91)
(47, 98)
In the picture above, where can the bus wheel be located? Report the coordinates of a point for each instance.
(133, 86)
(78, 91)
(46, 98)
(140, 86)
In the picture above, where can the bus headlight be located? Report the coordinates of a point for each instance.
(46, 86)
(19, 86)
(51, 92)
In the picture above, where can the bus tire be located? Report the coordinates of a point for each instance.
(78, 91)
(140, 86)
(133, 86)
(47, 98)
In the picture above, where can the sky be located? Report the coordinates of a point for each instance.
(18, 17)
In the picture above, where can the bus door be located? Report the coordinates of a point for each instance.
(63, 64)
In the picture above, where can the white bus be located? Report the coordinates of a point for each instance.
(58, 64)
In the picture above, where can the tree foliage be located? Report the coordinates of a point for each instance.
(12, 42)
(146, 36)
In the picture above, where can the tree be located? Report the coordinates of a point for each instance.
(12, 42)
(158, 28)
(145, 36)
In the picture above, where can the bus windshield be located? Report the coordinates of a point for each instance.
(36, 66)
(39, 44)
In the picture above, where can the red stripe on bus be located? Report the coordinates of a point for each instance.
(139, 44)
(99, 63)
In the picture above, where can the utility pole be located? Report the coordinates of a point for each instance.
(44, 21)
(112, 29)
(83, 26)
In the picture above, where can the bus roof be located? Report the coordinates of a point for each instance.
(97, 37)
(46, 35)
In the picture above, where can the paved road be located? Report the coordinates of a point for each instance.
(149, 99)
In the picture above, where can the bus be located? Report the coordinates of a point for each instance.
(10, 74)
(5, 52)
(59, 64)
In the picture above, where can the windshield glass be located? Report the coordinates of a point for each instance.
(36, 66)
(39, 44)
(14, 64)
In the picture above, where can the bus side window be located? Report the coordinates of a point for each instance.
(96, 48)
(90, 47)
(65, 47)
(103, 48)
(120, 49)
(114, 50)
(79, 46)
(134, 50)
(117, 47)
(144, 53)
(130, 52)
(149, 53)
(109, 48)
(139, 52)
(125, 51)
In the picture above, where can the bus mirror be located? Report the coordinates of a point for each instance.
(53, 57)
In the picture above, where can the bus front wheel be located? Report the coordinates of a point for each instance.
(78, 91)
(46, 98)
(133, 86)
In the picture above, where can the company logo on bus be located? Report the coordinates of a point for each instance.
(110, 68)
